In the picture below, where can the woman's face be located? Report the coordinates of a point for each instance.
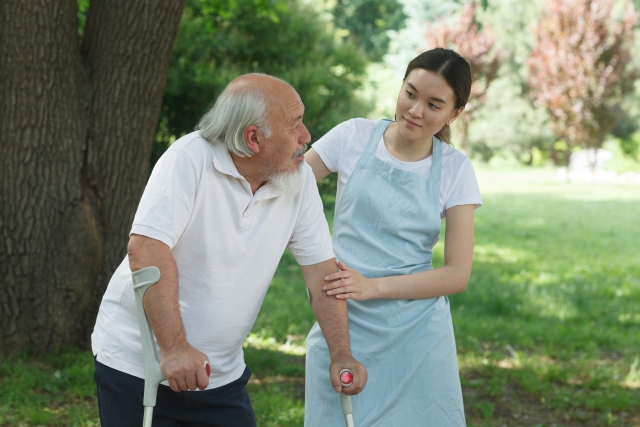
(425, 104)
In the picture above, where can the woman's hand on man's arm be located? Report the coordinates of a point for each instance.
(349, 284)
(451, 278)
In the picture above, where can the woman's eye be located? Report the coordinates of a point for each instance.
(410, 95)
(433, 106)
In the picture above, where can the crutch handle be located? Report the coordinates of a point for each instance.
(153, 376)
(346, 378)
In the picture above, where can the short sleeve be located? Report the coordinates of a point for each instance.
(310, 241)
(463, 188)
(167, 202)
(332, 146)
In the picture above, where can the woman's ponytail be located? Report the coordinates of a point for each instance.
(444, 134)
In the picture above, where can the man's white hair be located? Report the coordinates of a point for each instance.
(234, 110)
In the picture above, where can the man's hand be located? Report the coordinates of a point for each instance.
(360, 375)
(184, 368)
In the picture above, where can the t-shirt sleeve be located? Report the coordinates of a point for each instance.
(310, 241)
(332, 146)
(168, 199)
(463, 189)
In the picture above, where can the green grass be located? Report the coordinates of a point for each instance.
(548, 330)
(54, 390)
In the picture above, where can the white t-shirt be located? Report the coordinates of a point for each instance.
(341, 148)
(227, 243)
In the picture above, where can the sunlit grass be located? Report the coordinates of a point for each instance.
(549, 325)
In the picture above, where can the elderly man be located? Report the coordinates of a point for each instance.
(220, 207)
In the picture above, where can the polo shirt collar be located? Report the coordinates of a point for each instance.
(223, 162)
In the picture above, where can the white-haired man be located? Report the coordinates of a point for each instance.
(220, 207)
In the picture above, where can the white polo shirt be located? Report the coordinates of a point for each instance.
(227, 243)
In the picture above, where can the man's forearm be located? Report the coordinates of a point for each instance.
(183, 365)
(161, 300)
(330, 312)
(332, 318)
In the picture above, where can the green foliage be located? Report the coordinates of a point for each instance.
(83, 6)
(630, 146)
(367, 21)
(626, 154)
(509, 124)
(220, 40)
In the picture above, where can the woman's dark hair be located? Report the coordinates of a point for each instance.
(455, 70)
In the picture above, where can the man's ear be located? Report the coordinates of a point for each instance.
(253, 138)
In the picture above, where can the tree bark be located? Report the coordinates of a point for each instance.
(77, 121)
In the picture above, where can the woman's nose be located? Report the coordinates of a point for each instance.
(416, 110)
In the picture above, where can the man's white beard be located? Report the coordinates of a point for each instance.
(288, 183)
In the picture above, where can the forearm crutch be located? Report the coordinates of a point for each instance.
(346, 378)
(153, 376)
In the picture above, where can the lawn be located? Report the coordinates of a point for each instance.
(548, 330)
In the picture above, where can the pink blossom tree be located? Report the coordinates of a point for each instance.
(580, 68)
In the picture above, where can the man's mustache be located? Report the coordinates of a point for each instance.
(300, 152)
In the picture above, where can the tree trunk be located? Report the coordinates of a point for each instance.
(77, 120)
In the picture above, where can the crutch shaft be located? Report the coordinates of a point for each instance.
(148, 416)
(153, 376)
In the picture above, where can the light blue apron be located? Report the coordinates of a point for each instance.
(386, 225)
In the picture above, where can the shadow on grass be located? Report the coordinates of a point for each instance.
(542, 393)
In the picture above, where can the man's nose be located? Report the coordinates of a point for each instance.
(305, 137)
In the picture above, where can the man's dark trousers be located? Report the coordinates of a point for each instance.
(120, 402)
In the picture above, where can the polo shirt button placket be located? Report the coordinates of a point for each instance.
(246, 219)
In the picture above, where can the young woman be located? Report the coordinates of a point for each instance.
(396, 181)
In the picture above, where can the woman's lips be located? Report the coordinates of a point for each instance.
(411, 123)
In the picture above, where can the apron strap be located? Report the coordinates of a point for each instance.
(436, 162)
(372, 143)
(436, 168)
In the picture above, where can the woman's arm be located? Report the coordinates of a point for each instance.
(449, 279)
(320, 170)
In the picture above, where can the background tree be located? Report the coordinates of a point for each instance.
(77, 119)
(477, 46)
(580, 69)
(297, 42)
(366, 23)
(288, 40)
(82, 86)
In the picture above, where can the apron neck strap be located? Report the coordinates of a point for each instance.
(378, 131)
(436, 162)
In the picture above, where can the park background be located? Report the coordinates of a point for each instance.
(548, 330)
